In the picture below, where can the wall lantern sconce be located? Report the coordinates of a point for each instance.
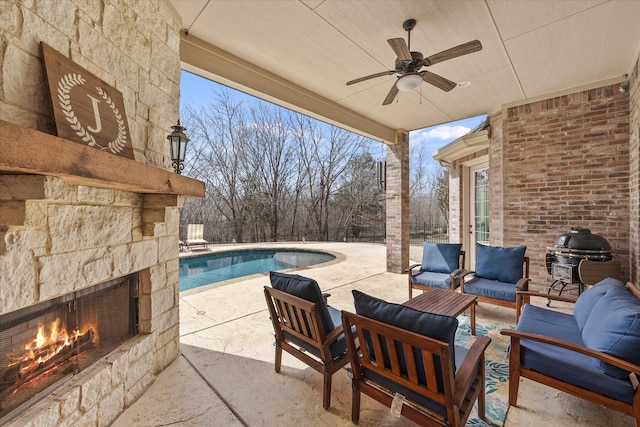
(178, 143)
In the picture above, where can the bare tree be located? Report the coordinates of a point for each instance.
(358, 201)
(267, 169)
(442, 192)
(326, 157)
(220, 138)
(273, 156)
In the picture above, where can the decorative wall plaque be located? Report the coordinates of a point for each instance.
(86, 109)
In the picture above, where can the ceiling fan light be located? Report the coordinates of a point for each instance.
(409, 82)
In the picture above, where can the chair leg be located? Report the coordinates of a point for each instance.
(514, 371)
(355, 403)
(481, 399)
(410, 289)
(278, 363)
(326, 390)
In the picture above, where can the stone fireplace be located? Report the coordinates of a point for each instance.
(44, 345)
(75, 221)
(63, 244)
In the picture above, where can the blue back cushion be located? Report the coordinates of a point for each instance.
(439, 327)
(498, 263)
(440, 257)
(590, 297)
(305, 288)
(614, 328)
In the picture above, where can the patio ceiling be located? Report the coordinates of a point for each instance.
(300, 54)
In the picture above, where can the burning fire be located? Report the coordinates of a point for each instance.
(51, 346)
(44, 346)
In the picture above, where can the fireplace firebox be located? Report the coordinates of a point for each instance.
(43, 345)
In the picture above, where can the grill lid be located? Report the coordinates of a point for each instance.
(582, 238)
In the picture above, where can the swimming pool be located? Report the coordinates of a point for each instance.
(204, 270)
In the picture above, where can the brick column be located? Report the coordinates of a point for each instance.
(398, 204)
(634, 174)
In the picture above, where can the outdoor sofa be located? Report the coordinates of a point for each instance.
(593, 353)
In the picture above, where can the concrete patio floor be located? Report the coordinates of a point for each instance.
(224, 375)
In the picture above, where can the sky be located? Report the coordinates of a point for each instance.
(198, 90)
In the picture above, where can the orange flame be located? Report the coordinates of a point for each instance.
(47, 344)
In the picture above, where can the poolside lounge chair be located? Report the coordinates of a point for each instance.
(306, 327)
(195, 233)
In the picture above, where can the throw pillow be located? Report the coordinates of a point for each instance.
(614, 328)
(442, 328)
(305, 288)
(584, 305)
(440, 257)
(498, 263)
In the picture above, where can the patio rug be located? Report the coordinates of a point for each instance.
(496, 370)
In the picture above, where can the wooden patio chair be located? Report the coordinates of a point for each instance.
(306, 327)
(416, 376)
(441, 263)
(500, 273)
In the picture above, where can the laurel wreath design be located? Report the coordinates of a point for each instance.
(117, 144)
(68, 82)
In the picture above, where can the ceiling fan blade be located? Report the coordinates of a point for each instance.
(401, 49)
(454, 52)
(372, 76)
(391, 95)
(438, 81)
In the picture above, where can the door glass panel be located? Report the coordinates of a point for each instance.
(481, 205)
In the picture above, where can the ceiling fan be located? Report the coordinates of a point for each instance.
(408, 65)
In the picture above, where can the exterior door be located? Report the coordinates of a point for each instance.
(478, 219)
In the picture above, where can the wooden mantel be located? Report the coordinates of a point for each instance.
(25, 150)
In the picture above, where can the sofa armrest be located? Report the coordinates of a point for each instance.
(469, 365)
(516, 336)
(524, 297)
(570, 298)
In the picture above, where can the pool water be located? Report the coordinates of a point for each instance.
(204, 270)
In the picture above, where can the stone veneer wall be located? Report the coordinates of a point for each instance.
(562, 162)
(60, 237)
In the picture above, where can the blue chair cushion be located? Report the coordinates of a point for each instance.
(305, 288)
(490, 288)
(433, 280)
(442, 328)
(590, 297)
(440, 257)
(614, 328)
(439, 327)
(564, 365)
(498, 263)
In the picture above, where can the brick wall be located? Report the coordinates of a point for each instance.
(456, 195)
(634, 174)
(397, 204)
(560, 163)
(497, 180)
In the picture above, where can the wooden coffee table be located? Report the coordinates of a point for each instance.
(441, 301)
